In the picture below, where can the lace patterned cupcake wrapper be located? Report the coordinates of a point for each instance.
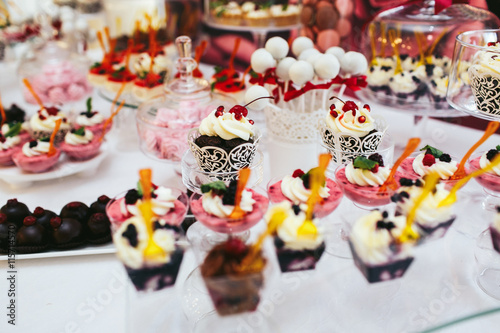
(486, 91)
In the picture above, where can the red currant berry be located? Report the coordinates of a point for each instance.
(251, 121)
(362, 119)
(29, 220)
(219, 113)
(52, 111)
(428, 160)
(366, 106)
(235, 246)
(349, 106)
(334, 114)
(492, 43)
(375, 169)
(297, 173)
(332, 107)
(220, 108)
(238, 116)
(239, 109)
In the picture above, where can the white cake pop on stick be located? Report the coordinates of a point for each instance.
(300, 44)
(254, 98)
(278, 47)
(326, 68)
(300, 73)
(353, 63)
(282, 70)
(308, 53)
(337, 51)
(262, 60)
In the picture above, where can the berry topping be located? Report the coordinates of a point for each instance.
(238, 109)
(428, 160)
(305, 180)
(332, 107)
(74, 205)
(385, 225)
(2, 138)
(229, 196)
(235, 246)
(42, 117)
(298, 173)
(375, 169)
(334, 114)
(377, 158)
(103, 199)
(12, 202)
(39, 211)
(251, 121)
(219, 113)
(53, 111)
(131, 197)
(3, 218)
(29, 220)
(55, 222)
(33, 143)
(445, 158)
(220, 108)
(238, 116)
(492, 43)
(362, 119)
(350, 106)
(131, 235)
(296, 209)
(366, 106)
(406, 182)
(490, 155)
(385, 214)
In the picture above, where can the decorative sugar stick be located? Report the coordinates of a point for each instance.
(430, 51)
(152, 250)
(373, 43)
(33, 93)
(243, 176)
(52, 150)
(2, 113)
(245, 73)
(108, 121)
(490, 130)
(101, 43)
(395, 47)
(452, 196)
(383, 39)
(421, 43)
(408, 233)
(390, 182)
(233, 55)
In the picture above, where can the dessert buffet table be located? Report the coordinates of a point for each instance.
(87, 290)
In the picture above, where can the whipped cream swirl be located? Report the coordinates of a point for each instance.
(363, 177)
(346, 123)
(162, 203)
(212, 204)
(294, 190)
(40, 148)
(226, 126)
(76, 140)
(375, 246)
(10, 142)
(444, 169)
(428, 213)
(43, 121)
(95, 119)
(484, 162)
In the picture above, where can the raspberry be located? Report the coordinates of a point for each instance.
(375, 169)
(377, 158)
(29, 220)
(235, 246)
(52, 111)
(38, 211)
(428, 160)
(491, 43)
(298, 173)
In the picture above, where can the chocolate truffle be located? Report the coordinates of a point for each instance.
(76, 210)
(99, 228)
(99, 206)
(67, 233)
(43, 217)
(31, 237)
(16, 212)
(4, 233)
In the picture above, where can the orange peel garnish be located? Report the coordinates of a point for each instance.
(108, 121)
(2, 112)
(243, 176)
(52, 150)
(32, 91)
(390, 182)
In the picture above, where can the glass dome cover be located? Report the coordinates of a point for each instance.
(411, 47)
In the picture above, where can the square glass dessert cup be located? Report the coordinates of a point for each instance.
(365, 197)
(322, 209)
(294, 260)
(174, 217)
(223, 159)
(487, 264)
(230, 225)
(345, 147)
(474, 85)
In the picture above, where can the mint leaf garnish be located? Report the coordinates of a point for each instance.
(433, 151)
(362, 162)
(80, 131)
(46, 139)
(498, 147)
(95, 65)
(218, 187)
(218, 69)
(89, 105)
(253, 74)
(14, 129)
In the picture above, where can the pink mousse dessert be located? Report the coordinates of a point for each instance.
(81, 144)
(16, 127)
(431, 160)
(11, 143)
(169, 206)
(295, 188)
(489, 180)
(34, 157)
(362, 178)
(91, 120)
(214, 207)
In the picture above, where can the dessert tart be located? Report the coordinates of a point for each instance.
(285, 14)
(10, 143)
(43, 123)
(35, 156)
(92, 120)
(431, 221)
(81, 144)
(430, 160)
(375, 249)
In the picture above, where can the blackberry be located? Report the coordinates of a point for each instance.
(229, 196)
(395, 197)
(385, 215)
(490, 155)
(406, 182)
(296, 209)
(132, 196)
(445, 158)
(33, 143)
(419, 183)
(404, 194)
(377, 158)
(305, 181)
(131, 235)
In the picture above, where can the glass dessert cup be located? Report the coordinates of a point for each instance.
(475, 92)
(364, 197)
(487, 265)
(322, 209)
(174, 217)
(344, 147)
(193, 177)
(489, 181)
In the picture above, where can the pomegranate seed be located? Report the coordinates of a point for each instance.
(366, 106)
(238, 116)
(251, 121)
(349, 106)
(220, 108)
(334, 114)
(219, 113)
(362, 119)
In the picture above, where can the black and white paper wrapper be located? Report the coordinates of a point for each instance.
(345, 147)
(486, 89)
(216, 159)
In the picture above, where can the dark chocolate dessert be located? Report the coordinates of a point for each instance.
(31, 237)
(16, 212)
(99, 229)
(99, 206)
(76, 210)
(4, 233)
(67, 233)
(43, 217)
(14, 114)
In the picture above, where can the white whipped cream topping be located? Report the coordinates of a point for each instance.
(346, 123)
(278, 10)
(49, 123)
(441, 87)
(373, 245)
(363, 177)
(212, 204)
(403, 83)
(443, 62)
(378, 77)
(162, 204)
(226, 126)
(10, 142)
(294, 189)
(444, 170)
(40, 149)
(386, 61)
(76, 140)
(247, 6)
(484, 162)
(258, 14)
(83, 120)
(428, 213)
(421, 72)
(161, 63)
(409, 63)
